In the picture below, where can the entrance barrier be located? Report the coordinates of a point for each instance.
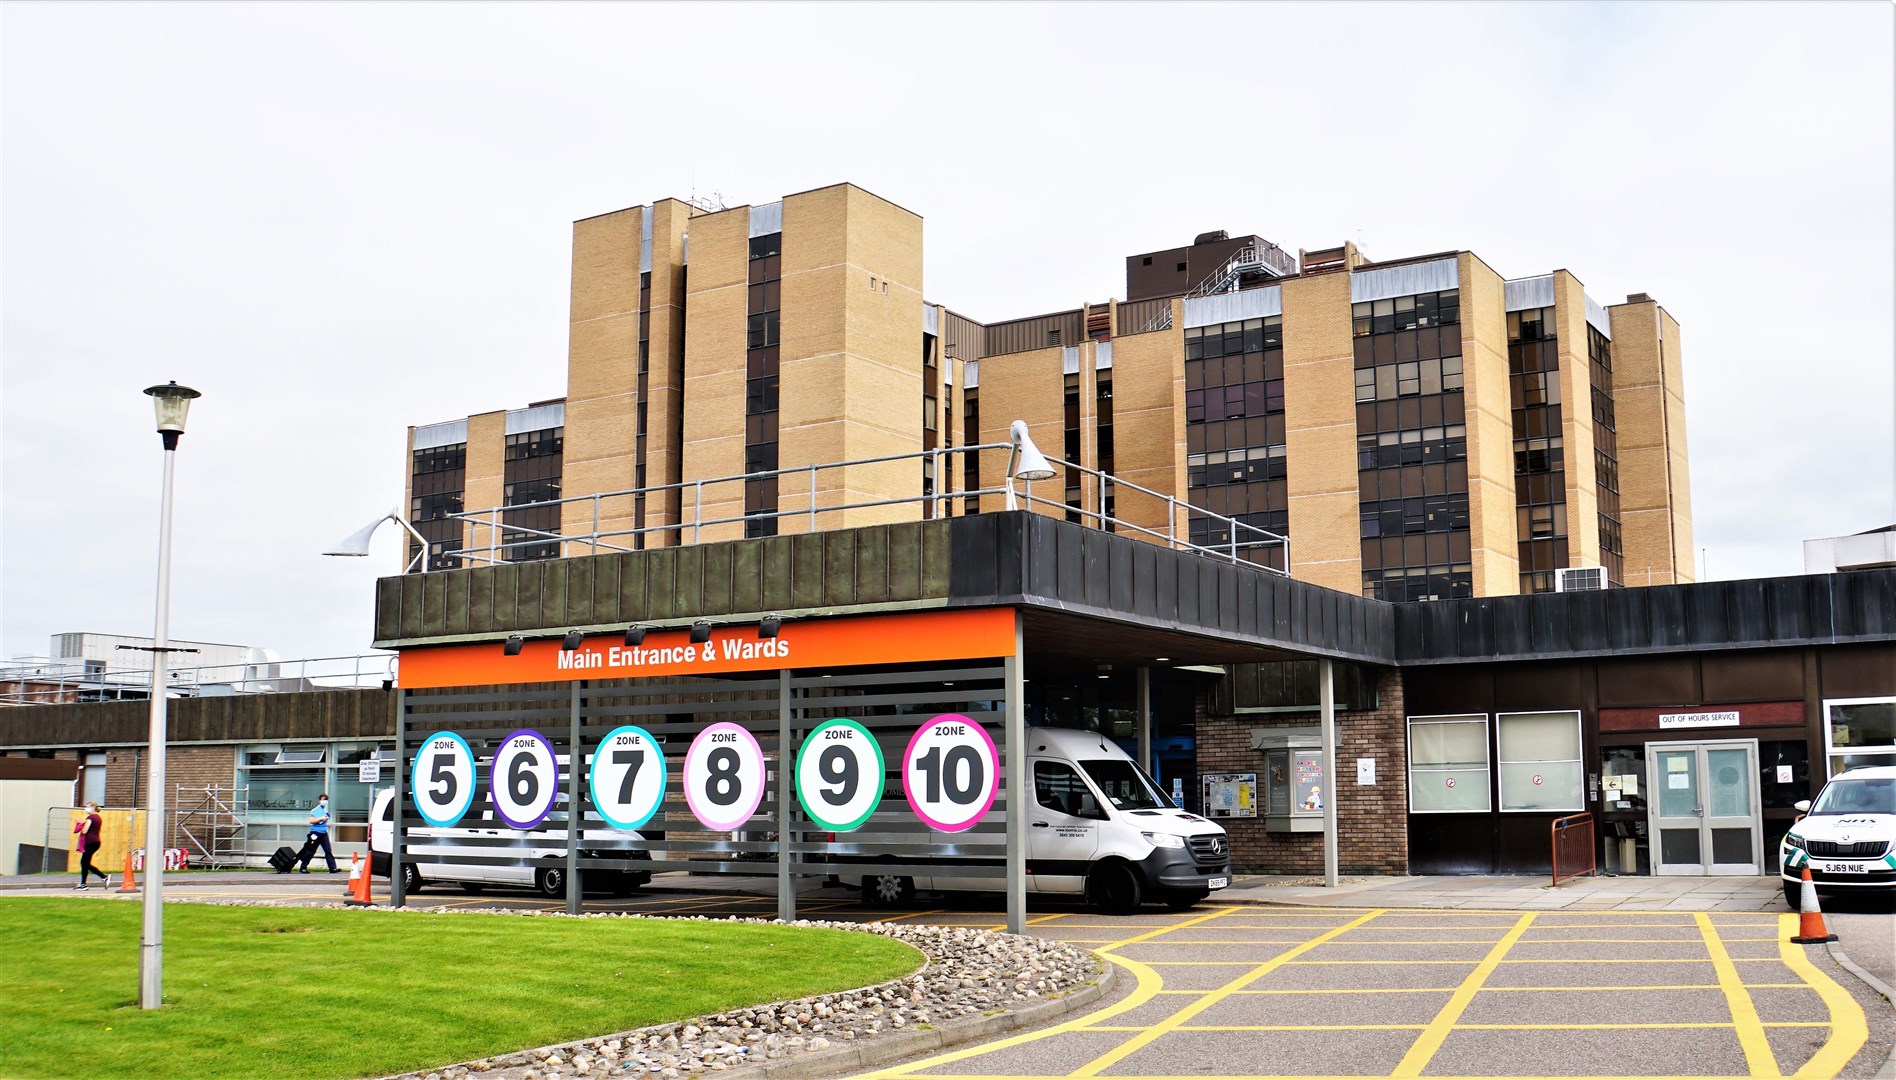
(1571, 838)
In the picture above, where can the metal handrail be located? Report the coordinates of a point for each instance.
(1573, 836)
(1244, 538)
(35, 686)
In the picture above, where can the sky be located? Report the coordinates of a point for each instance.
(336, 221)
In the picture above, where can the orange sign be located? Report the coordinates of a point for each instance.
(910, 637)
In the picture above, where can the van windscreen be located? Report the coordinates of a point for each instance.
(1124, 786)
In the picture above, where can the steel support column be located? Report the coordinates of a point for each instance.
(786, 885)
(1015, 756)
(1327, 709)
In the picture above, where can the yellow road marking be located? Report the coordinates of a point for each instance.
(1848, 1031)
(1352, 992)
(1744, 1014)
(1430, 1041)
(1130, 1046)
(1277, 1027)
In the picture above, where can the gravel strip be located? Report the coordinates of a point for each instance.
(970, 974)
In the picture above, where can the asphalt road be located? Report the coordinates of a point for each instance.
(1258, 990)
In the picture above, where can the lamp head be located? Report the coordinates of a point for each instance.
(1033, 465)
(769, 626)
(700, 632)
(634, 636)
(572, 641)
(171, 402)
(511, 647)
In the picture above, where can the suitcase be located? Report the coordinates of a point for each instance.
(283, 860)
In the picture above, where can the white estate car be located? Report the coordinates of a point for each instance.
(1848, 834)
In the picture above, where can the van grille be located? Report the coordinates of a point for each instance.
(1207, 849)
(1862, 849)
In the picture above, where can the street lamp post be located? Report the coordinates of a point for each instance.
(172, 403)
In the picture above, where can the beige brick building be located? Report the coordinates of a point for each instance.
(1407, 429)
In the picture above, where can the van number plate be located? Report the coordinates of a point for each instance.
(1846, 868)
(1217, 882)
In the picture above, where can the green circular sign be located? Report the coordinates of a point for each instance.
(840, 773)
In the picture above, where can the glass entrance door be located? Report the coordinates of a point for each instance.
(1704, 807)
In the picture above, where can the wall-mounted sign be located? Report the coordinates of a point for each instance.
(839, 775)
(1698, 719)
(443, 779)
(908, 637)
(525, 779)
(949, 772)
(724, 777)
(1229, 795)
(627, 777)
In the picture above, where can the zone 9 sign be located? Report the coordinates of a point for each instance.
(839, 775)
(524, 778)
(627, 778)
(724, 777)
(949, 772)
(442, 776)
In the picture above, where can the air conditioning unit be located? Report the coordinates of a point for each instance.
(1580, 579)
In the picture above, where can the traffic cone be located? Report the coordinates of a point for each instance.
(1810, 919)
(356, 893)
(128, 881)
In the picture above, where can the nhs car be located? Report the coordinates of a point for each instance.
(1848, 835)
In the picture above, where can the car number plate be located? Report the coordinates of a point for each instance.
(1845, 868)
(1218, 882)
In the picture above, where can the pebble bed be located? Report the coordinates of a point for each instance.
(969, 973)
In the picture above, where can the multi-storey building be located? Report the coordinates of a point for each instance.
(1418, 428)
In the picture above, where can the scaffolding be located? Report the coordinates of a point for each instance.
(211, 823)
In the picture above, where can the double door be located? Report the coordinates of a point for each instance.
(1704, 809)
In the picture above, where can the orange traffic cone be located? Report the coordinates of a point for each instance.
(1810, 919)
(128, 881)
(356, 893)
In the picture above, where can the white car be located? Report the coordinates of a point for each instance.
(479, 834)
(1848, 835)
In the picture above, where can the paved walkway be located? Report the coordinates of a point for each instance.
(1518, 893)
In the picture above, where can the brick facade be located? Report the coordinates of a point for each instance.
(1373, 819)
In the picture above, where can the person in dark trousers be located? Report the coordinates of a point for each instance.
(88, 833)
(318, 835)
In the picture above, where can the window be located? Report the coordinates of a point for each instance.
(1540, 761)
(1059, 788)
(1448, 764)
(1860, 731)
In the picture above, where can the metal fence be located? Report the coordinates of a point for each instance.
(35, 685)
(1571, 839)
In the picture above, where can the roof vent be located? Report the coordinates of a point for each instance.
(1211, 237)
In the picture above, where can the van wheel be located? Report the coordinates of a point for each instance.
(411, 879)
(1185, 898)
(1114, 887)
(551, 881)
(475, 887)
(887, 890)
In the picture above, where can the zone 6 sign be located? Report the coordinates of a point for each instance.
(627, 779)
(525, 778)
(442, 776)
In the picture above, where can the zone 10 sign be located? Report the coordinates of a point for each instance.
(839, 775)
(627, 778)
(724, 777)
(949, 772)
(442, 776)
(524, 778)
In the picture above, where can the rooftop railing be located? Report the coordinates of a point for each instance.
(57, 684)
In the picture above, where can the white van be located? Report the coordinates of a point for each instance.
(547, 874)
(1097, 827)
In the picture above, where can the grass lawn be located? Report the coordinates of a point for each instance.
(307, 992)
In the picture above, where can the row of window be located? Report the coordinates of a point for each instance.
(1539, 454)
(1427, 514)
(1404, 482)
(1534, 388)
(441, 458)
(547, 442)
(1236, 368)
(1406, 312)
(1409, 379)
(1227, 339)
(1534, 764)
(1417, 446)
(1225, 402)
(1533, 324)
(1422, 344)
(1235, 434)
(1416, 549)
(1413, 584)
(1244, 466)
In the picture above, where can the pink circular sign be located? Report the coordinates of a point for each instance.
(724, 777)
(950, 772)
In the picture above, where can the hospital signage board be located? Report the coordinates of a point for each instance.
(907, 637)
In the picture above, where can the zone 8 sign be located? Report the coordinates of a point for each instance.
(724, 777)
(442, 777)
(949, 771)
(525, 779)
(839, 775)
(627, 778)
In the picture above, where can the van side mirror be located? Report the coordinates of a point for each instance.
(1089, 806)
(1802, 806)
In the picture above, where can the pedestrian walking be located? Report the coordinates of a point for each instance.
(87, 830)
(318, 835)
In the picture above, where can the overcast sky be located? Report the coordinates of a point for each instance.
(336, 221)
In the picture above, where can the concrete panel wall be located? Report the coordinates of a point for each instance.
(1149, 423)
(1576, 421)
(715, 312)
(1655, 484)
(486, 483)
(1489, 415)
(1320, 433)
(602, 369)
